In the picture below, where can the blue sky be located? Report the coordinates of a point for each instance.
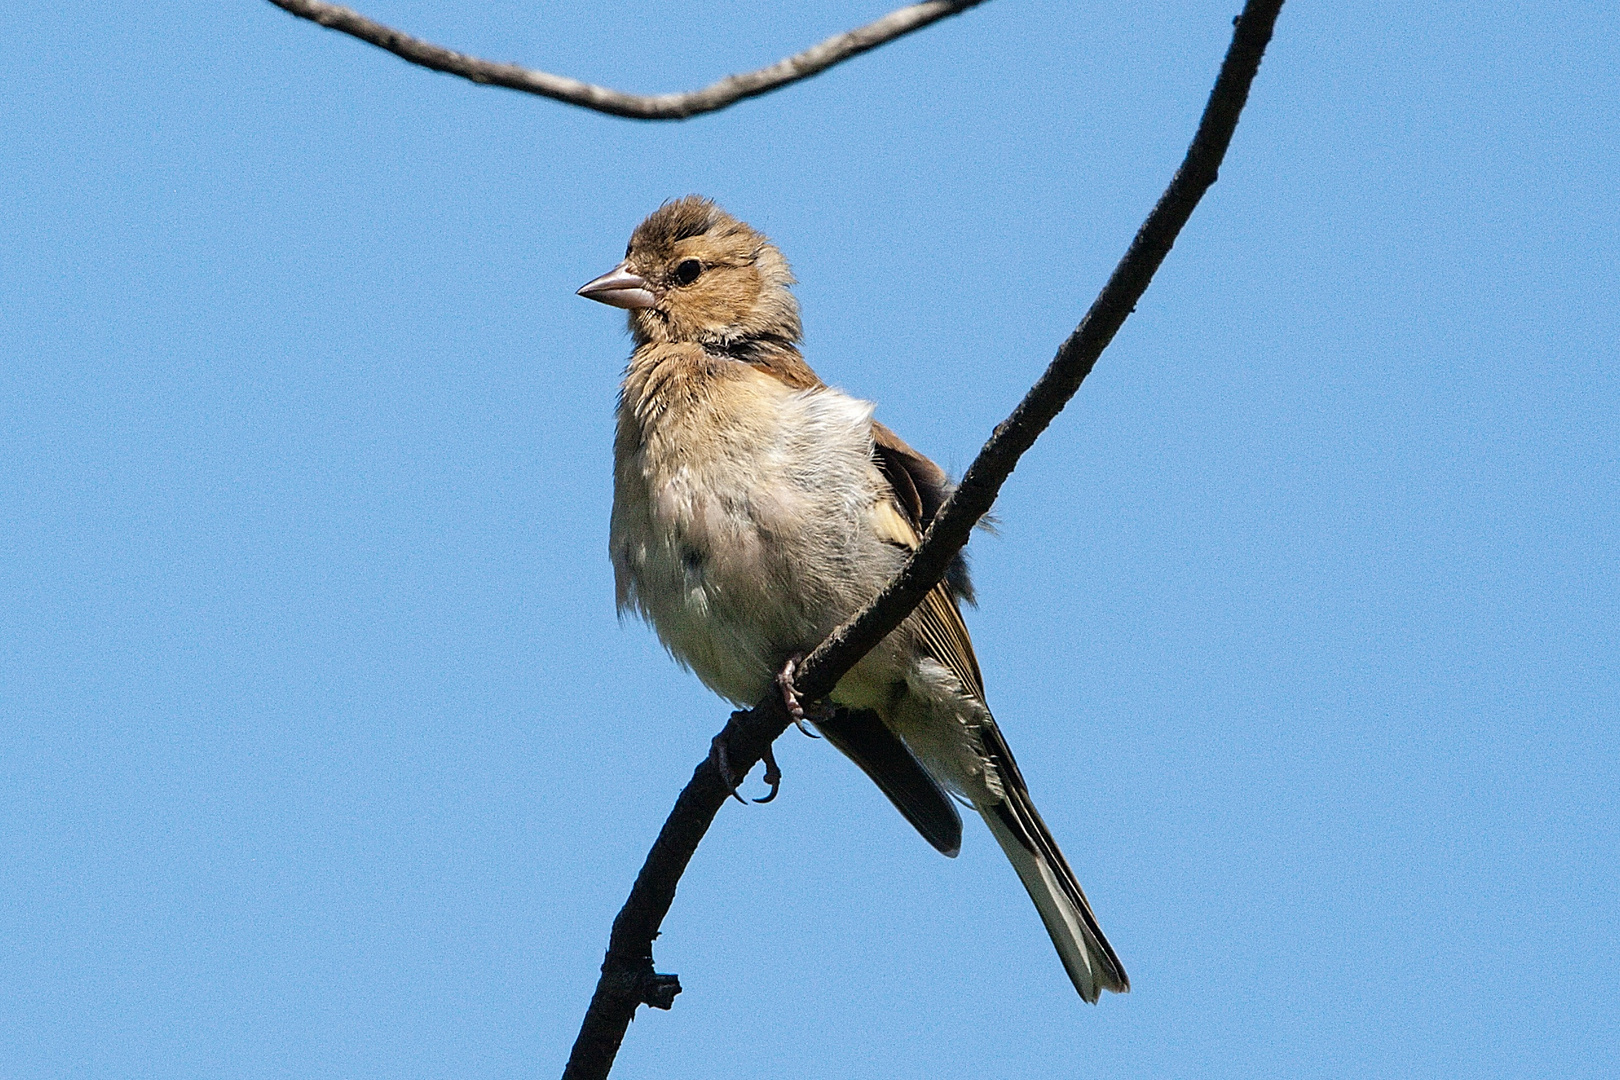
(323, 754)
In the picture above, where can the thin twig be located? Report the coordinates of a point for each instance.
(728, 91)
(627, 972)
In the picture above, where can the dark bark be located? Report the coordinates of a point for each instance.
(627, 968)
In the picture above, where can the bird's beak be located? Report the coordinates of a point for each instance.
(620, 288)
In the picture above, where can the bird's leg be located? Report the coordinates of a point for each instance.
(790, 696)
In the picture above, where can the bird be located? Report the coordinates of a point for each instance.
(756, 508)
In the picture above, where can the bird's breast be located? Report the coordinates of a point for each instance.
(740, 522)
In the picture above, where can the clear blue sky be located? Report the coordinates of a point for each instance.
(322, 752)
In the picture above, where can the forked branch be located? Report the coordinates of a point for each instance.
(627, 972)
(728, 91)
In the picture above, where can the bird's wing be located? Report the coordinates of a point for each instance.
(903, 467)
(921, 488)
(945, 637)
(870, 743)
(860, 734)
(917, 488)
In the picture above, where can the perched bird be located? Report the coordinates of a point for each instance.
(756, 508)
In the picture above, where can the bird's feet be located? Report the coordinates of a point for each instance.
(790, 695)
(719, 752)
(773, 775)
(719, 755)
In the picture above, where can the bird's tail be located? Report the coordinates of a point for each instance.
(1018, 828)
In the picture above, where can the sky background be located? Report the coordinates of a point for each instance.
(323, 753)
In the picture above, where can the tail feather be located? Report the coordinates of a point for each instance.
(1034, 854)
(867, 741)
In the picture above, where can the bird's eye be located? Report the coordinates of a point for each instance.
(688, 271)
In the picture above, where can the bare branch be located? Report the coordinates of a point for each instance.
(728, 91)
(627, 972)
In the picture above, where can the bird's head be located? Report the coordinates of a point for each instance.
(693, 273)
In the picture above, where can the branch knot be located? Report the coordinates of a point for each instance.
(634, 982)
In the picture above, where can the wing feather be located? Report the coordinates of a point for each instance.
(920, 489)
(900, 518)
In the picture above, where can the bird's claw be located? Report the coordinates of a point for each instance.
(773, 776)
(790, 695)
(773, 773)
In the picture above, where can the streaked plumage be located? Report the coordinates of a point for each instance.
(755, 509)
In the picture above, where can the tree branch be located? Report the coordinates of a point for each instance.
(728, 91)
(627, 970)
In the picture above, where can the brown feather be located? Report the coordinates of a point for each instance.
(921, 487)
(925, 479)
(940, 629)
(779, 360)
